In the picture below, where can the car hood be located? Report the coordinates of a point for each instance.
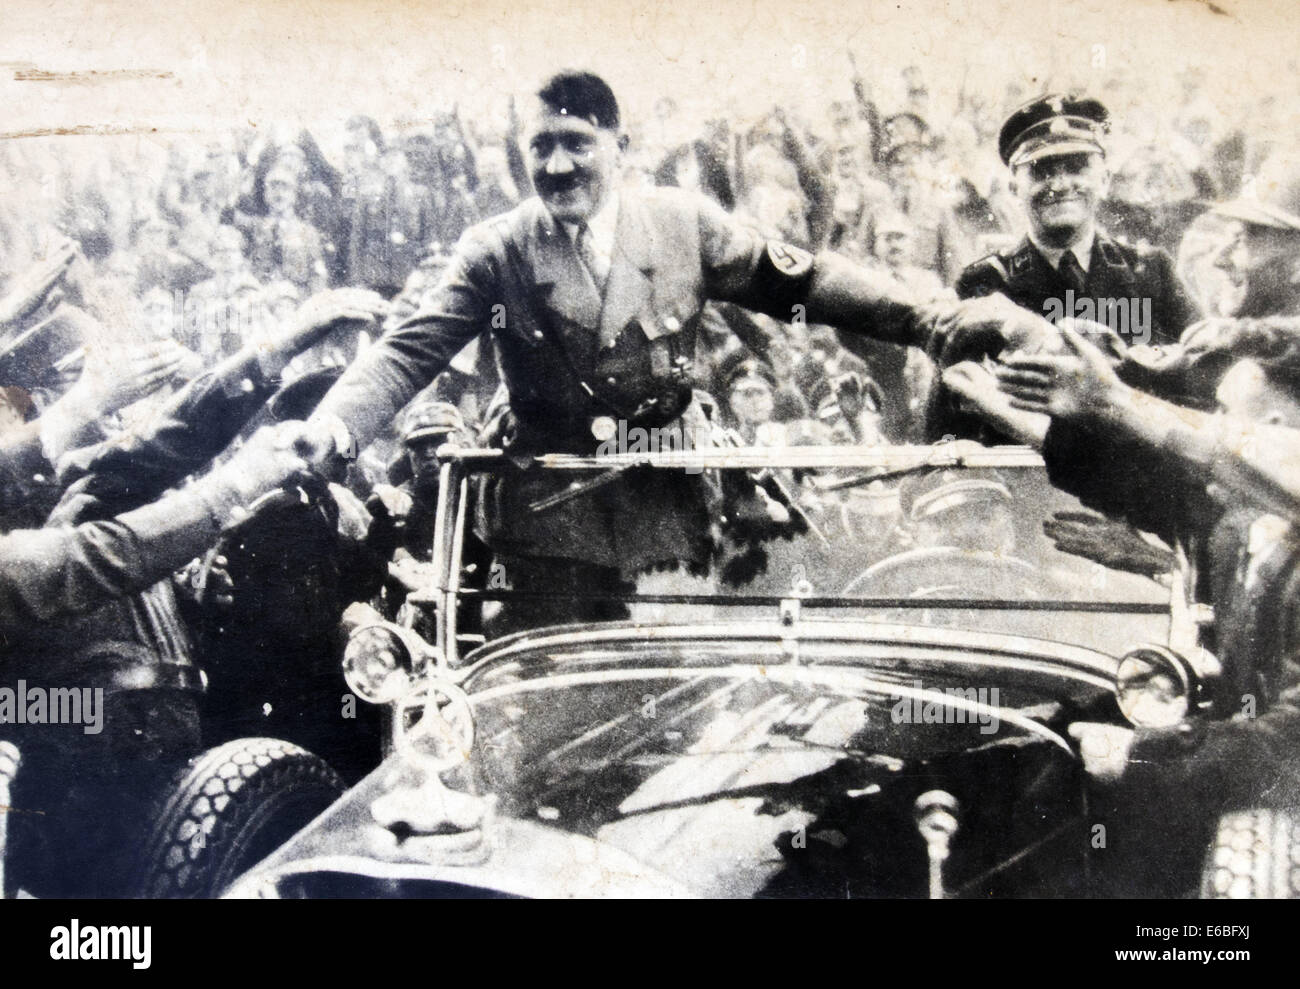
(674, 760)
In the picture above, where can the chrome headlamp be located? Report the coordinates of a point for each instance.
(377, 663)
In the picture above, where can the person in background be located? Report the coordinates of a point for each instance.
(281, 244)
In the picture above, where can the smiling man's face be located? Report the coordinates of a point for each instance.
(1260, 268)
(1061, 194)
(574, 164)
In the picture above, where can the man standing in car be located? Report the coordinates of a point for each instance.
(593, 298)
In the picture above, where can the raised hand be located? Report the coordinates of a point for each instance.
(147, 368)
(111, 383)
(513, 125)
(33, 286)
(1112, 544)
(316, 318)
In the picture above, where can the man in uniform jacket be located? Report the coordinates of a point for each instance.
(1066, 265)
(593, 297)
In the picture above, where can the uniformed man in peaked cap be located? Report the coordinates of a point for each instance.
(1065, 266)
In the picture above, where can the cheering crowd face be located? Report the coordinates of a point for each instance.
(1061, 194)
(280, 194)
(1261, 268)
(894, 242)
(1249, 391)
(752, 402)
(226, 256)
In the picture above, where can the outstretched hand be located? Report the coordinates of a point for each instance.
(990, 324)
(1113, 544)
(1104, 748)
(1076, 384)
(271, 459)
(33, 286)
(978, 393)
(108, 385)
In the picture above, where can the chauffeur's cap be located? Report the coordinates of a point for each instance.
(938, 492)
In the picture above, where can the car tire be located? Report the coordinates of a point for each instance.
(1255, 856)
(226, 810)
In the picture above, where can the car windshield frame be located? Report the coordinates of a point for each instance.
(873, 463)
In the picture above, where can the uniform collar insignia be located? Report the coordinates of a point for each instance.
(1023, 257)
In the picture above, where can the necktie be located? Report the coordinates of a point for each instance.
(1072, 272)
(596, 265)
(277, 244)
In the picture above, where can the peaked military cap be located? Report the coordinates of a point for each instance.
(1053, 125)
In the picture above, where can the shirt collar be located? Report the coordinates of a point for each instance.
(1082, 249)
(602, 225)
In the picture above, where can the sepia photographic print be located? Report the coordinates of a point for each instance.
(637, 450)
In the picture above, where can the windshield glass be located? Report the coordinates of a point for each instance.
(982, 549)
(715, 777)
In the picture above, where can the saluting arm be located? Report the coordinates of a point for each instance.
(1248, 460)
(61, 570)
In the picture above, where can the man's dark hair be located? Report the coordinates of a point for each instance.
(583, 95)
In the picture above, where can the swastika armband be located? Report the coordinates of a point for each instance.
(782, 278)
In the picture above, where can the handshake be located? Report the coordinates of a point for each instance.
(287, 454)
(988, 326)
(274, 458)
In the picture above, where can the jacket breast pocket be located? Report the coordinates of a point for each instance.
(674, 303)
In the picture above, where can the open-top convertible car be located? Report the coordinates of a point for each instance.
(874, 704)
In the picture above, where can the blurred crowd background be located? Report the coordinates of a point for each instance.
(210, 239)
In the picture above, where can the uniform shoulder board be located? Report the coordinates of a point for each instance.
(988, 274)
(991, 264)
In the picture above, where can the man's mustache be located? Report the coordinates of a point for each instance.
(559, 183)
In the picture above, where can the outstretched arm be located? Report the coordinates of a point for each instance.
(61, 570)
(785, 282)
(1248, 460)
(200, 420)
(406, 359)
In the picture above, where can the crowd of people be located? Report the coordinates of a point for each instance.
(207, 244)
(185, 318)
